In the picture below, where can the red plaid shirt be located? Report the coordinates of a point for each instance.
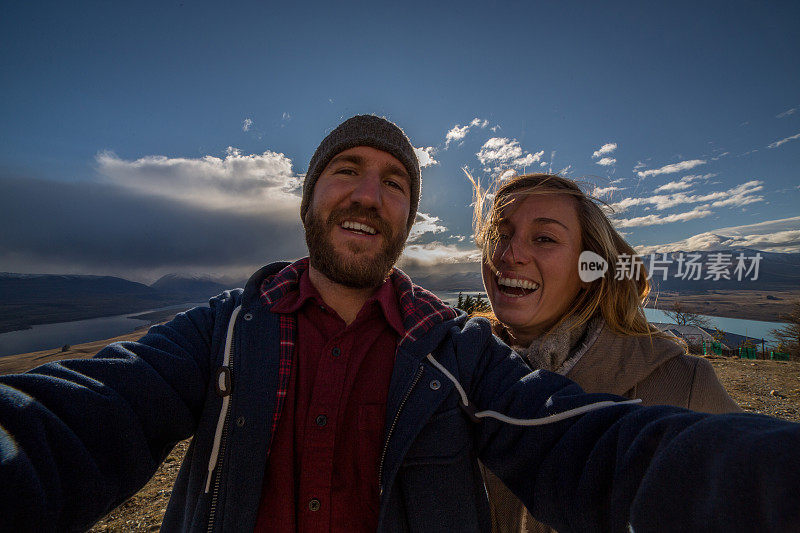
(419, 311)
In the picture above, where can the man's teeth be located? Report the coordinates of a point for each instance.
(518, 283)
(358, 226)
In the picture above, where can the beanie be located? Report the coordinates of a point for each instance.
(364, 130)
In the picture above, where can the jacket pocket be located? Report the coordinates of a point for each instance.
(443, 440)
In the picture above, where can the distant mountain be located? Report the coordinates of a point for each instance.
(190, 288)
(776, 271)
(29, 299)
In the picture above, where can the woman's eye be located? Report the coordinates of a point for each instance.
(544, 238)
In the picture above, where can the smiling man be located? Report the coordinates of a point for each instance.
(332, 394)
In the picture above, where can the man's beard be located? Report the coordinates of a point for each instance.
(363, 272)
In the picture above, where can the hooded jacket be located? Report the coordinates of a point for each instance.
(79, 437)
(651, 368)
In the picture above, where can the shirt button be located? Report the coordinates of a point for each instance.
(314, 504)
(336, 352)
(321, 420)
(434, 385)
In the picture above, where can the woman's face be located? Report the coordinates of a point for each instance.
(534, 276)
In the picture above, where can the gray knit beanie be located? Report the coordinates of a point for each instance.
(364, 130)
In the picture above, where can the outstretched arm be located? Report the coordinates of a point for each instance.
(649, 468)
(78, 437)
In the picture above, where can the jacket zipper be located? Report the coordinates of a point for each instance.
(417, 376)
(222, 447)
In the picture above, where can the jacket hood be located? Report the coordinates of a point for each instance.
(616, 363)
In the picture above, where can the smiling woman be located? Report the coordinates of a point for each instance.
(532, 230)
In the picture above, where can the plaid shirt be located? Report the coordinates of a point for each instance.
(420, 310)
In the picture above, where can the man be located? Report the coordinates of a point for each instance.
(333, 394)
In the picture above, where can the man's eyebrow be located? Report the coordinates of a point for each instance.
(347, 158)
(398, 170)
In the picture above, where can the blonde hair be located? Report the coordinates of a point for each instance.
(620, 301)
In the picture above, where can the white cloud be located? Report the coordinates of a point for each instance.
(249, 182)
(502, 153)
(286, 117)
(784, 141)
(639, 165)
(599, 192)
(425, 223)
(425, 156)
(438, 253)
(606, 149)
(671, 169)
(782, 235)
(786, 113)
(737, 196)
(247, 124)
(457, 133)
(684, 183)
(606, 161)
(655, 220)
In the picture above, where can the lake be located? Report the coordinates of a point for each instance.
(751, 328)
(52, 336)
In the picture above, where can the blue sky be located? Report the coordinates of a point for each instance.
(150, 137)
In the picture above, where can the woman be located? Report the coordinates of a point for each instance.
(593, 332)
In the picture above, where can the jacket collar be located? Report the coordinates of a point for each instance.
(420, 309)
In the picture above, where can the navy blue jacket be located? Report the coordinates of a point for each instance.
(79, 437)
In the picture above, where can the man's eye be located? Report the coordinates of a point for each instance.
(394, 184)
(348, 171)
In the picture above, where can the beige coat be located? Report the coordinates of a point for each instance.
(654, 369)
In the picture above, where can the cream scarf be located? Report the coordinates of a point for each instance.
(559, 350)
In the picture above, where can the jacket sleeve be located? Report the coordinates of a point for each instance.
(626, 466)
(78, 437)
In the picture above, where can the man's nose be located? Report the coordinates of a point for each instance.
(367, 191)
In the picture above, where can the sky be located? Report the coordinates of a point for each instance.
(144, 138)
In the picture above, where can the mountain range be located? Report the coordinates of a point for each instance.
(29, 299)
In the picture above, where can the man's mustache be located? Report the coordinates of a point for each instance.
(366, 215)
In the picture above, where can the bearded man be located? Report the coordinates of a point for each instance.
(332, 394)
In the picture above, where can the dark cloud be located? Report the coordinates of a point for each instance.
(100, 228)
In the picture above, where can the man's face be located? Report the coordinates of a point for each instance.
(356, 223)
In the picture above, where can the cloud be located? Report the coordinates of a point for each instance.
(425, 156)
(737, 196)
(247, 124)
(236, 181)
(599, 192)
(782, 235)
(502, 153)
(425, 223)
(438, 253)
(684, 183)
(606, 149)
(639, 165)
(606, 161)
(671, 169)
(655, 220)
(286, 117)
(103, 228)
(784, 141)
(457, 133)
(786, 113)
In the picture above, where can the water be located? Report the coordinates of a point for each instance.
(54, 336)
(752, 328)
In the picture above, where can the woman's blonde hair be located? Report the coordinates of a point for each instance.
(620, 301)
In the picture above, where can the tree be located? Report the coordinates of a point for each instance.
(472, 305)
(684, 315)
(788, 336)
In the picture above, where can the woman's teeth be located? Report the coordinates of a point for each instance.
(516, 287)
(358, 226)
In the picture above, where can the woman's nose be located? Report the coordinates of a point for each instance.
(515, 253)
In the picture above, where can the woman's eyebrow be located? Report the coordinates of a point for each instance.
(545, 220)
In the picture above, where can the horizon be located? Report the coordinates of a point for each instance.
(149, 139)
